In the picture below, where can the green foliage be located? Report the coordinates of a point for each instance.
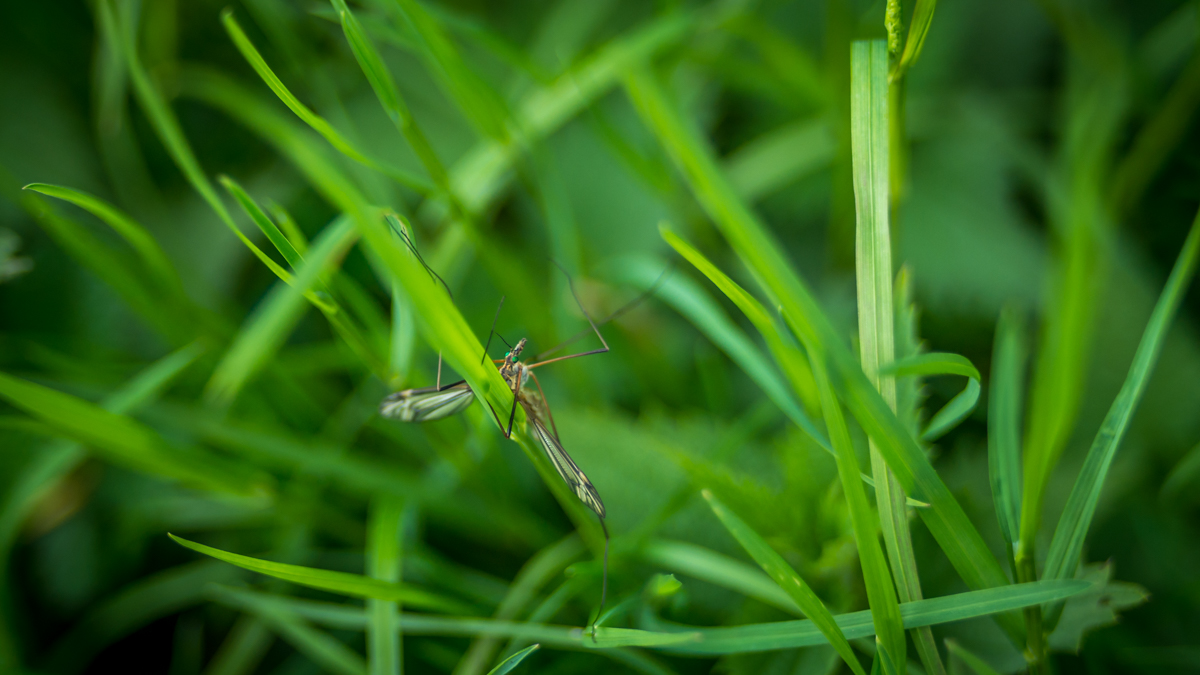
(410, 162)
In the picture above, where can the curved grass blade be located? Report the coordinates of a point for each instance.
(783, 574)
(513, 661)
(854, 625)
(1067, 545)
(152, 255)
(937, 363)
(1004, 424)
(389, 96)
(715, 568)
(922, 18)
(343, 583)
(167, 127)
(318, 123)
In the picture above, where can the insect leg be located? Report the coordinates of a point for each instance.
(492, 331)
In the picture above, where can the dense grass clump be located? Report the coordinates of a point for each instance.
(895, 381)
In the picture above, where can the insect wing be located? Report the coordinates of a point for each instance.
(567, 468)
(427, 404)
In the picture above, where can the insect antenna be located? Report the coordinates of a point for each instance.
(399, 228)
(492, 332)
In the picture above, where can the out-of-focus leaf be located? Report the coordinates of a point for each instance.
(1095, 608)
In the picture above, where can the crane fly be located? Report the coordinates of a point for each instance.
(427, 404)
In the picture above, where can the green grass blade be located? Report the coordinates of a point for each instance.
(342, 583)
(922, 18)
(384, 542)
(389, 96)
(318, 123)
(143, 243)
(268, 326)
(167, 127)
(787, 579)
(126, 442)
(264, 223)
(1182, 475)
(289, 227)
(976, 664)
(715, 568)
(946, 520)
(1004, 423)
(780, 157)
(321, 648)
(474, 97)
(855, 625)
(937, 363)
(1067, 545)
(513, 661)
(869, 136)
(881, 594)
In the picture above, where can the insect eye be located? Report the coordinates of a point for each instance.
(507, 354)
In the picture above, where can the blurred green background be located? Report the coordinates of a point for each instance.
(1025, 123)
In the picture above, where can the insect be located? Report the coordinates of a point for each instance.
(440, 401)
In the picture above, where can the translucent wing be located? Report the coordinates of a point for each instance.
(566, 467)
(428, 403)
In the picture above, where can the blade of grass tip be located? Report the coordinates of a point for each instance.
(264, 223)
(143, 243)
(167, 127)
(268, 326)
(383, 563)
(513, 661)
(125, 442)
(1004, 425)
(976, 664)
(288, 224)
(1067, 545)
(922, 18)
(343, 583)
(881, 594)
(869, 136)
(783, 574)
(946, 520)
(318, 123)
(474, 97)
(389, 96)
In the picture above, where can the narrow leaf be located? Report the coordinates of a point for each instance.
(513, 661)
(1004, 423)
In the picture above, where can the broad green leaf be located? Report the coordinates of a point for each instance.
(1004, 422)
(1094, 609)
(343, 583)
(152, 255)
(1067, 545)
(318, 123)
(854, 625)
(782, 574)
(126, 442)
(513, 661)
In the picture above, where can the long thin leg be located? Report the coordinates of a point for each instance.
(604, 583)
(512, 415)
(571, 285)
(492, 331)
(616, 314)
(545, 404)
